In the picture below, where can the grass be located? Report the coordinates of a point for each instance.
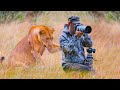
(106, 41)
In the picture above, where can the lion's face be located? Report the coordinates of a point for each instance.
(44, 34)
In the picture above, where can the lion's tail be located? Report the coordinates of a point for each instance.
(2, 59)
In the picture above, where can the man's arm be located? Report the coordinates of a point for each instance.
(87, 41)
(66, 45)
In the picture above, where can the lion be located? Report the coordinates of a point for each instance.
(32, 47)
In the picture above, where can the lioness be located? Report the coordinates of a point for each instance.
(32, 46)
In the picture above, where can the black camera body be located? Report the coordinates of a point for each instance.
(91, 50)
(83, 28)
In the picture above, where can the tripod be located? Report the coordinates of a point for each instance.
(89, 58)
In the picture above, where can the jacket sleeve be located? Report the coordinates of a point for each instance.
(68, 46)
(87, 41)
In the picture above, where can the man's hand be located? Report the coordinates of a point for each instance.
(78, 33)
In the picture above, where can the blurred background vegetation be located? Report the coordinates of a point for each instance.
(9, 16)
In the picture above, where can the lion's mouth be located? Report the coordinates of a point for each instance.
(44, 45)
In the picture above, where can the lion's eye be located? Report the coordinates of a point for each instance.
(41, 32)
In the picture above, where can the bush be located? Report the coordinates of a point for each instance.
(9, 16)
(110, 16)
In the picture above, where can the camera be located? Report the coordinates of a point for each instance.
(83, 28)
(90, 50)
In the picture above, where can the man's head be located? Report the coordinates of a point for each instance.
(72, 20)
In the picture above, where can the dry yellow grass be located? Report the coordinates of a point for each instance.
(106, 41)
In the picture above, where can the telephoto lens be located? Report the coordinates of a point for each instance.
(84, 29)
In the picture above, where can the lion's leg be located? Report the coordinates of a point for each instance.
(37, 56)
(54, 48)
(41, 59)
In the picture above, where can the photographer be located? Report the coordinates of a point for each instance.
(72, 43)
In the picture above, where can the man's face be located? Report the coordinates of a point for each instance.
(71, 28)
